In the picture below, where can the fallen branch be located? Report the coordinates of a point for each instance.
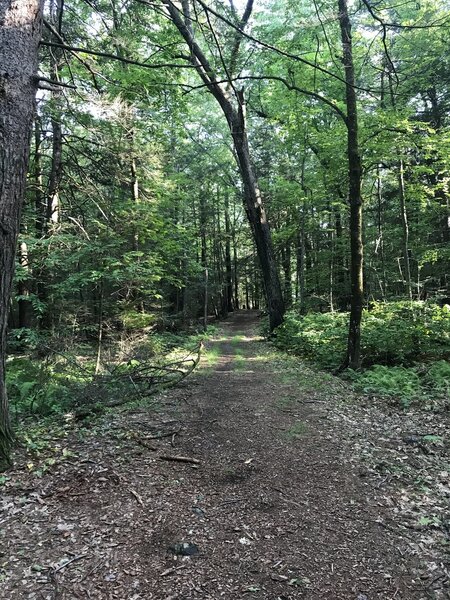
(147, 380)
(141, 442)
(163, 435)
(136, 495)
(69, 562)
(172, 570)
(183, 459)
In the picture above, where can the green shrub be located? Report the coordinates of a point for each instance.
(316, 336)
(401, 382)
(34, 389)
(132, 319)
(396, 334)
(438, 377)
(402, 333)
(23, 338)
(430, 387)
(404, 348)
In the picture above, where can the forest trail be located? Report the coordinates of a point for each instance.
(278, 507)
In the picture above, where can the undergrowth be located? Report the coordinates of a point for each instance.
(405, 348)
(52, 385)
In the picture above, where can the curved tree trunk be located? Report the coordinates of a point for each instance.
(257, 217)
(20, 31)
(233, 107)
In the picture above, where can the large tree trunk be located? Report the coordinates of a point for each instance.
(353, 358)
(20, 32)
(257, 217)
(233, 107)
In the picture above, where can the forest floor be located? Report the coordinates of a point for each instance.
(296, 488)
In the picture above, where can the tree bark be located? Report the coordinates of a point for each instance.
(257, 217)
(353, 358)
(380, 240)
(405, 229)
(56, 171)
(234, 111)
(20, 31)
(228, 266)
(235, 272)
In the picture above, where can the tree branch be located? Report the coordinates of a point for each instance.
(384, 36)
(115, 57)
(288, 85)
(238, 37)
(54, 84)
(274, 48)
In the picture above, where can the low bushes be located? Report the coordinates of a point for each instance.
(50, 382)
(405, 346)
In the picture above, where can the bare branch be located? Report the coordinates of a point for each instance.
(80, 60)
(288, 85)
(115, 57)
(54, 84)
(384, 36)
(238, 37)
(274, 48)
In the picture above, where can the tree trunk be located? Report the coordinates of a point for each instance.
(353, 358)
(20, 32)
(38, 180)
(234, 111)
(301, 252)
(235, 272)
(23, 287)
(53, 202)
(287, 269)
(380, 241)
(228, 266)
(405, 229)
(257, 218)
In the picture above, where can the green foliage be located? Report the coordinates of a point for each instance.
(401, 382)
(127, 257)
(395, 333)
(430, 388)
(137, 320)
(62, 382)
(437, 377)
(34, 388)
(401, 333)
(316, 336)
(404, 347)
(23, 337)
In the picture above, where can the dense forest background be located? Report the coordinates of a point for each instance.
(134, 217)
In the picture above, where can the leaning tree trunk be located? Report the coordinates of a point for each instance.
(20, 31)
(257, 217)
(353, 358)
(233, 107)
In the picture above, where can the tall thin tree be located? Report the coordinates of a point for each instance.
(353, 357)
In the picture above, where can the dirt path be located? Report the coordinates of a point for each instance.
(277, 507)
